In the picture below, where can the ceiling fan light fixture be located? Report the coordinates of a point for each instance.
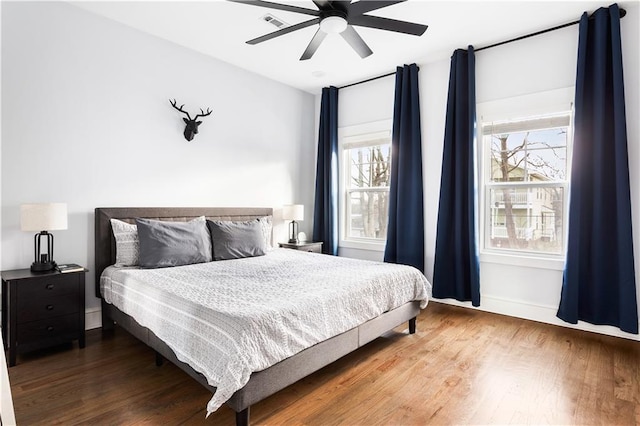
(333, 24)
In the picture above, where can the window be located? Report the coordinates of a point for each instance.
(526, 175)
(366, 164)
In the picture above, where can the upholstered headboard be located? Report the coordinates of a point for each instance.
(105, 245)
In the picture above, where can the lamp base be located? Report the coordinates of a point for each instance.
(293, 232)
(43, 266)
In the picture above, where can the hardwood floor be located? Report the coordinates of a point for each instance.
(461, 367)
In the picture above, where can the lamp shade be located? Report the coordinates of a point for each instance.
(293, 212)
(43, 217)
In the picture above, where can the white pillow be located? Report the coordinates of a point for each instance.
(266, 228)
(127, 243)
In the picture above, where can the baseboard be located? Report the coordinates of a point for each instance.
(539, 313)
(93, 318)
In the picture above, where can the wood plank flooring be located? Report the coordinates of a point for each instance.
(461, 367)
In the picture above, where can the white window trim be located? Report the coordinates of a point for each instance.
(539, 261)
(541, 103)
(352, 132)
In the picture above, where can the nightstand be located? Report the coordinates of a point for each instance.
(41, 309)
(304, 246)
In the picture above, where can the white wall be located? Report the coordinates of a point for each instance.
(533, 65)
(86, 121)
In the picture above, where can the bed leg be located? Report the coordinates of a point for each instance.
(159, 359)
(107, 323)
(242, 417)
(412, 325)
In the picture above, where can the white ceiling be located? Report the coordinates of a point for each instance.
(220, 29)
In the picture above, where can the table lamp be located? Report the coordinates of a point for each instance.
(43, 218)
(293, 212)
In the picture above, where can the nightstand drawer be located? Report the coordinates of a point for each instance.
(47, 307)
(48, 287)
(47, 328)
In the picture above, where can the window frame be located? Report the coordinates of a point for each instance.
(521, 107)
(352, 137)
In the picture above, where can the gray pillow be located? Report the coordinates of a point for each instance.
(165, 244)
(235, 240)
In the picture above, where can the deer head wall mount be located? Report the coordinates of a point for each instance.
(191, 129)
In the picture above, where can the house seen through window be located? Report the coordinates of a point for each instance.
(366, 159)
(526, 183)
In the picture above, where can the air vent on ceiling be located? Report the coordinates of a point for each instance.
(277, 22)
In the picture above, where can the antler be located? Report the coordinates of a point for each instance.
(203, 113)
(173, 104)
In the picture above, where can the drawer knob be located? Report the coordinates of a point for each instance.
(50, 286)
(49, 307)
(50, 328)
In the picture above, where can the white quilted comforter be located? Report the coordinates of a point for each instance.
(227, 319)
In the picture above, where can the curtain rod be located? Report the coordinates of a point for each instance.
(367, 80)
(548, 30)
(623, 13)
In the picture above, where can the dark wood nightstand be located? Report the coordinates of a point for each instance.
(41, 309)
(304, 246)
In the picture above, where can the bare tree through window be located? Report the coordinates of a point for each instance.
(528, 171)
(371, 165)
(367, 189)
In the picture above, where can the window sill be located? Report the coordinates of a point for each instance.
(361, 245)
(538, 262)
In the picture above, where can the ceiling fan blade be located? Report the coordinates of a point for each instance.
(388, 24)
(313, 45)
(363, 6)
(342, 4)
(356, 42)
(285, 7)
(322, 4)
(284, 31)
(328, 5)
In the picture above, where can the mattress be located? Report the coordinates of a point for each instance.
(228, 319)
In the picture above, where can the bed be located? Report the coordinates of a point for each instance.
(268, 378)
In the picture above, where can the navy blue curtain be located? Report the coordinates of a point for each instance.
(599, 283)
(325, 211)
(456, 268)
(405, 231)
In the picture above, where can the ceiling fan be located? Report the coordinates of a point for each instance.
(338, 17)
